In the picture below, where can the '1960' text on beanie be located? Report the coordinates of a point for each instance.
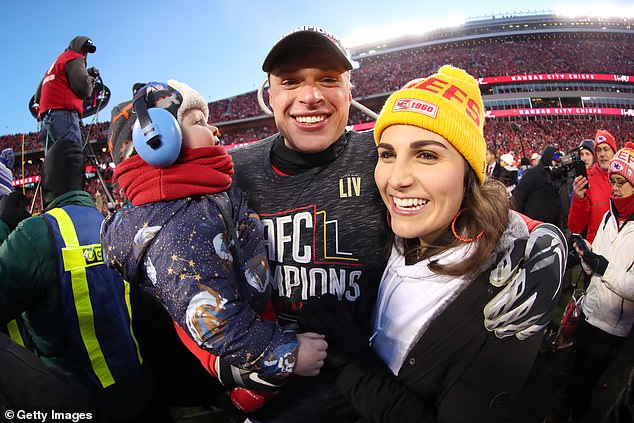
(447, 103)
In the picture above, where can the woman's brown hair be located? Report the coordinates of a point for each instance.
(486, 208)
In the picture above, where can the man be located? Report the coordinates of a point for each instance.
(61, 92)
(536, 196)
(493, 168)
(313, 185)
(75, 308)
(586, 153)
(535, 159)
(508, 172)
(592, 195)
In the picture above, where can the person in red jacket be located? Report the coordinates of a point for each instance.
(592, 194)
(61, 92)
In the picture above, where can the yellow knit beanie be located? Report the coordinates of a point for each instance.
(448, 103)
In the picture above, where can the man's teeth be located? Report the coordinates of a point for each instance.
(410, 202)
(310, 119)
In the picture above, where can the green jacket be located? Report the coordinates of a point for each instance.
(28, 280)
(28, 286)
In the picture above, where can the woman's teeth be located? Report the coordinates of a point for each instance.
(410, 203)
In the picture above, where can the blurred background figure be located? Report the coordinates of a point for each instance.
(508, 172)
(7, 160)
(536, 195)
(493, 166)
(61, 92)
(586, 153)
(535, 159)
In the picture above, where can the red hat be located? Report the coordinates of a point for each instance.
(604, 137)
(623, 162)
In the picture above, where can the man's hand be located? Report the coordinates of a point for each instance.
(327, 315)
(580, 186)
(94, 72)
(13, 209)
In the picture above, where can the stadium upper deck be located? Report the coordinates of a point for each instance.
(485, 27)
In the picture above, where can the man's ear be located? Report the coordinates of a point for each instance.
(268, 91)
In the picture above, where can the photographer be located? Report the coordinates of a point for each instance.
(591, 197)
(536, 195)
(60, 95)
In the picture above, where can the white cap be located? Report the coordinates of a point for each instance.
(508, 158)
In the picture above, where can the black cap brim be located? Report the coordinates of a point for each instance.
(89, 46)
(304, 40)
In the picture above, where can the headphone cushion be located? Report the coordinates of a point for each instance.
(158, 144)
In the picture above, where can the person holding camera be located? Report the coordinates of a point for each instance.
(608, 306)
(59, 98)
(592, 194)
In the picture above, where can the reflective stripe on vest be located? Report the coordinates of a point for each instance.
(14, 332)
(77, 260)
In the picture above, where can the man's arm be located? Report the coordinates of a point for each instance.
(579, 214)
(80, 82)
(23, 263)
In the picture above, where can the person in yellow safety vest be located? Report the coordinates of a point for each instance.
(76, 310)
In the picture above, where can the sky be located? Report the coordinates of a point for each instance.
(215, 46)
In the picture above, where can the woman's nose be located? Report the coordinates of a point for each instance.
(400, 176)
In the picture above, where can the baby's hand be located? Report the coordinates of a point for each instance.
(310, 354)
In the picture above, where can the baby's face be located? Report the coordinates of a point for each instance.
(196, 131)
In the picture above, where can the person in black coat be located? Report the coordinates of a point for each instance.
(536, 195)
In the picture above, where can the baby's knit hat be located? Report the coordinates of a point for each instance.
(448, 103)
(623, 162)
(176, 99)
(604, 137)
(7, 159)
(191, 100)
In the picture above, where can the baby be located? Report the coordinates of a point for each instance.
(191, 242)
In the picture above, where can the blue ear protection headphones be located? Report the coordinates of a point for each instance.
(156, 134)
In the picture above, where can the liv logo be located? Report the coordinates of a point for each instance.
(349, 186)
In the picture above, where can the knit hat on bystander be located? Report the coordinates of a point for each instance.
(604, 137)
(623, 162)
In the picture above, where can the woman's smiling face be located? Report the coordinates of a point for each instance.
(420, 176)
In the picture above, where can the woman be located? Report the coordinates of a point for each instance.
(467, 291)
(608, 306)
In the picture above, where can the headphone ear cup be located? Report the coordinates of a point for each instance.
(159, 143)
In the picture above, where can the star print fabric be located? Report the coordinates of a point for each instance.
(182, 253)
